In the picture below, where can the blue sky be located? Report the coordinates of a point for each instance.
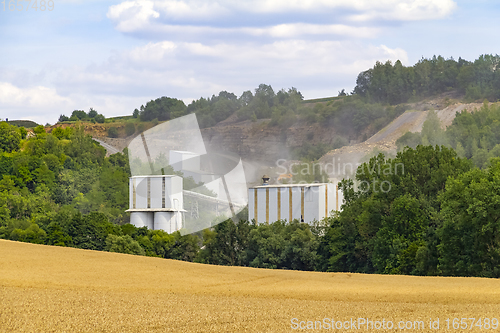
(116, 55)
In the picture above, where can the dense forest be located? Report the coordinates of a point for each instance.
(395, 84)
(440, 216)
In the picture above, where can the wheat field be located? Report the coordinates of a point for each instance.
(54, 289)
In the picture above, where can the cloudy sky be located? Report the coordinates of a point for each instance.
(116, 55)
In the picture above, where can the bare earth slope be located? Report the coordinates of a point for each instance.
(385, 139)
(53, 289)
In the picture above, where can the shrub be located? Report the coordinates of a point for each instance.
(113, 132)
(129, 129)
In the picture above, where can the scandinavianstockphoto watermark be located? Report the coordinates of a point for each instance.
(368, 324)
(338, 170)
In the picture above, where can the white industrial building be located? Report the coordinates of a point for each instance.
(304, 202)
(156, 202)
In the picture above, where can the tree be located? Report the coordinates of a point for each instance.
(135, 114)
(33, 234)
(63, 118)
(226, 244)
(10, 137)
(164, 108)
(387, 224)
(80, 114)
(113, 132)
(90, 231)
(57, 236)
(184, 247)
(123, 244)
(92, 113)
(100, 118)
(470, 217)
(129, 129)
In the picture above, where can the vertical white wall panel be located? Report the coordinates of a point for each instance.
(321, 201)
(332, 199)
(131, 192)
(176, 193)
(311, 203)
(261, 202)
(251, 204)
(273, 204)
(156, 188)
(141, 192)
(296, 203)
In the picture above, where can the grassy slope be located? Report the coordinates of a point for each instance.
(44, 288)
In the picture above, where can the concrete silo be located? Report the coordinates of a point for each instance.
(156, 202)
(304, 202)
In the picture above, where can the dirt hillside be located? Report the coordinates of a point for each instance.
(385, 139)
(54, 289)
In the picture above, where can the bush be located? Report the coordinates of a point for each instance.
(100, 118)
(63, 118)
(129, 129)
(141, 127)
(123, 244)
(113, 132)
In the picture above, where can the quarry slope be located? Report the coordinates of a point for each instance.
(54, 289)
(385, 139)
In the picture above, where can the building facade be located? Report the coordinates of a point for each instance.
(304, 202)
(156, 202)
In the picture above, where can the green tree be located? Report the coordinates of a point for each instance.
(100, 118)
(123, 244)
(470, 245)
(92, 113)
(184, 247)
(129, 129)
(113, 132)
(10, 137)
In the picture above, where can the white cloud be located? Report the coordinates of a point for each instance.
(409, 10)
(289, 30)
(295, 30)
(191, 69)
(34, 102)
(33, 97)
(147, 16)
(132, 15)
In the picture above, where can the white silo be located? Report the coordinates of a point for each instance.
(156, 202)
(304, 202)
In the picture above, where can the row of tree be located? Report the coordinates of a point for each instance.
(212, 110)
(77, 115)
(394, 84)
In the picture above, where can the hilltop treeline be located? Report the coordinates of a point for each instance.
(215, 109)
(76, 115)
(395, 84)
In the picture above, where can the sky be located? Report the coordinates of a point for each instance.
(115, 56)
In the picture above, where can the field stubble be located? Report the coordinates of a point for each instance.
(53, 289)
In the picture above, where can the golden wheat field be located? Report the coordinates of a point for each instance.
(54, 289)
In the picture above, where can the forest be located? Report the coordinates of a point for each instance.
(395, 84)
(440, 217)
